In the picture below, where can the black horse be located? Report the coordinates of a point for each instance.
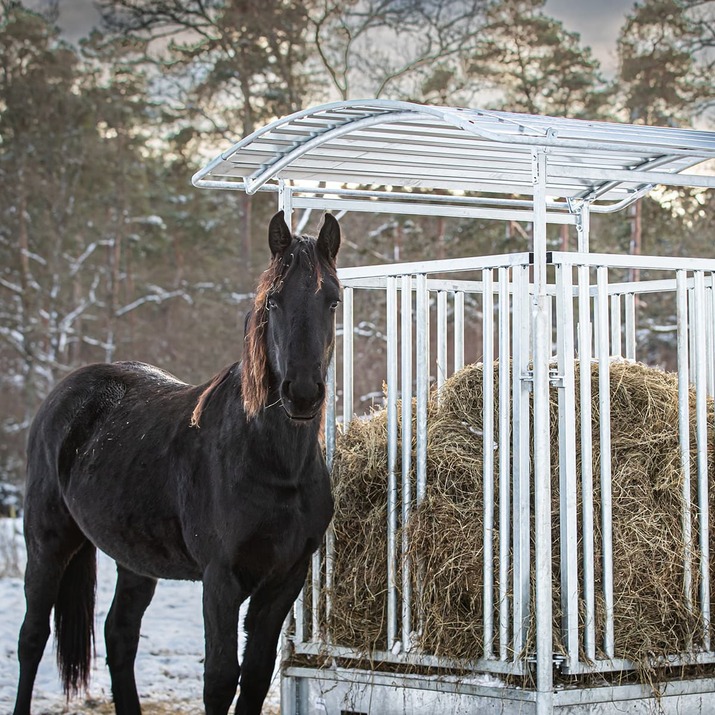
(223, 483)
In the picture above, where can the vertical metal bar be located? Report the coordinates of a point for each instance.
(488, 458)
(458, 330)
(406, 344)
(392, 438)
(604, 400)
(616, 349)
(315, 587)
(542, 478)
(710, 333)
(441, 338)
(583, 227)
(521, 518)
(567, 461)
(298, 613)
(422, 378)
(630, 307)
(504, 461)
(584, 341)
(348, 350)
(285, 201)
(330, 437)
(701, 433)
(681, 290)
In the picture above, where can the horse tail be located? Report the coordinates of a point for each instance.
(74, 619)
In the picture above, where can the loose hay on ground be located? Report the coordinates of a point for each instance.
(446, 531)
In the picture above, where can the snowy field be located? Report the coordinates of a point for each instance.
(169, 668)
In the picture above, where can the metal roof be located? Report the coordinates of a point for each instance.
(400, 147)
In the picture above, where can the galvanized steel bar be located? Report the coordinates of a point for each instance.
(299, 616)
(316, 566)
(348, 355)
(504, 461)
(330, 439)
(406, 373)
(441, 338)
(701, 434)
(586, 424)
(583, 227)
(567, 462)
(488, 458)
(458, 330)
(630, 309)
(710, 344)
(604, 401)
(422, 374)
(521, 435)
(392, 438)
(616, 349)
(684, 430)
(542, 477)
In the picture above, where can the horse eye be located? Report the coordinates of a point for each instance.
(334, 305)
(271, 303)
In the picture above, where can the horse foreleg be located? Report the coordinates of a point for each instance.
(222, 599)
(132, 596)
(267, 611)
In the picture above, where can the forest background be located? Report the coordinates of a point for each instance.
(106, 250)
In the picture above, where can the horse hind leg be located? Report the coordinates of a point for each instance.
(55, 555)
(132, 597)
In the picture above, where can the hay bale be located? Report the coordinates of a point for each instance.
(446, 531)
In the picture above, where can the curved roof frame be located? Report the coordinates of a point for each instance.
(404, 151)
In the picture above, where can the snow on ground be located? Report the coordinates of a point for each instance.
(169, 667)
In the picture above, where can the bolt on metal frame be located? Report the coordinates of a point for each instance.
(513, 167)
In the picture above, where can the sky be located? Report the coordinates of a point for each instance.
(597, 21)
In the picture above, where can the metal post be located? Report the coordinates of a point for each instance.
(630, 307)
(441, 338)
(458, 330)
(423, 378)
(504, 461)
(521, 434)
(567, 462)
(584, 355)
(348, 349)
(684, 430)
(406, 346)
(542, 479)
(701, 433)
(392, 437)
(604, 401)
(616, 349)
(488, 458)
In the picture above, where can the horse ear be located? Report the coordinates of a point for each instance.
(329, 237)
(279, 235)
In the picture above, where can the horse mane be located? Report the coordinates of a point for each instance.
(206, 395)
(255, 374)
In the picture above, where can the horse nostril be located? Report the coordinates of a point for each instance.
(303, 394)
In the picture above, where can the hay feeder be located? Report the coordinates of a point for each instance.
(525, 526)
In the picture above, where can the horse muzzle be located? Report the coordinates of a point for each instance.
(302, 400)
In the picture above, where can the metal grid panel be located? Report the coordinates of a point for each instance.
(400, 144)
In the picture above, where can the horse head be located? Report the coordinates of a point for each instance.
(290, 331)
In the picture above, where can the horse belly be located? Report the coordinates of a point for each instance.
(146, 543)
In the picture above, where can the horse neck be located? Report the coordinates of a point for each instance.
(291, 442)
